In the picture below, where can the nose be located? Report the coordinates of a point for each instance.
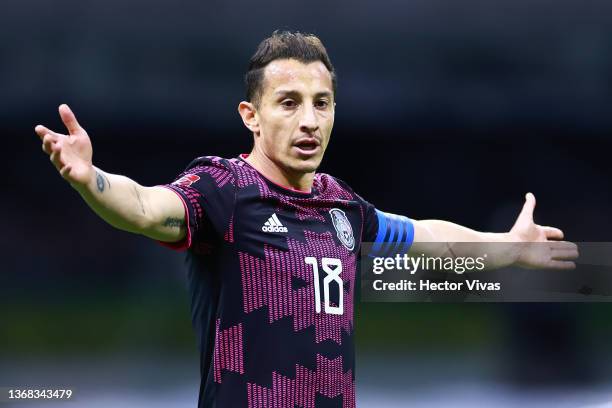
(309, 122)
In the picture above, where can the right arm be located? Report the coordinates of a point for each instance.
(155, 212)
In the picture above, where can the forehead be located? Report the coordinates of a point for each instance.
(293, 75)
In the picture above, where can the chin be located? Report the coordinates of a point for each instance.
(305, 166)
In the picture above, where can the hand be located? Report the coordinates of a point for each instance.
(71, 154)
(541, 247)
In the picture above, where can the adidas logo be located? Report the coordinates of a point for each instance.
(273, 225)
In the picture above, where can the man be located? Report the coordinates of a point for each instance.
(273, 245)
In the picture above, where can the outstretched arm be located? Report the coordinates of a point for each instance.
(155, 212)
(527, 244)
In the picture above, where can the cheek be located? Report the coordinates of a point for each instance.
(280, 130)
(276, 137)
(329, 124)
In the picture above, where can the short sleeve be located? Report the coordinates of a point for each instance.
(388, 233)
(207, 190)
(370, 220)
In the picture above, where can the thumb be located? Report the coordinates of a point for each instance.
(69, 119)
(527, 211)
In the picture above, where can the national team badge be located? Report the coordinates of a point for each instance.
(187, 180)
(343, 228)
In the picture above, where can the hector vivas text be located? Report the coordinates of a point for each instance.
(413, 264)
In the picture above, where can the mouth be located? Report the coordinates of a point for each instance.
(307, 147)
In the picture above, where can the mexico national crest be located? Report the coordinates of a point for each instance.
(343, 228)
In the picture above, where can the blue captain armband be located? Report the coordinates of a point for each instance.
(395, 234)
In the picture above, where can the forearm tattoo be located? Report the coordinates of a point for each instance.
(174, 223)
(101, 181)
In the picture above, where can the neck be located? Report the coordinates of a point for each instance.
(279, 175)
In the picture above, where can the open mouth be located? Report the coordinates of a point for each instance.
(307, 146)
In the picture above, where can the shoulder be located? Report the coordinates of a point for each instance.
(333, 187)
(215, 168)
(206, 163)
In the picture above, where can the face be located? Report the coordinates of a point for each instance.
(295, 115)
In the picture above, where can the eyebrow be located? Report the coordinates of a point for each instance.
(292, 92)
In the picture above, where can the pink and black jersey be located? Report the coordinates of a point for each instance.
(272, 278)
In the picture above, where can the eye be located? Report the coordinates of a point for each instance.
(288, 103)
(321, 104)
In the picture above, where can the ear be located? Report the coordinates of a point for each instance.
(247, 113)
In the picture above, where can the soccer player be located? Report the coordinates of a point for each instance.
(273, 244)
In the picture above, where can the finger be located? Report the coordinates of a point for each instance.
(56, 153)
(69, 119)
(562, 245)
(53, 159)
(48, 141)
(41, 131)
(564, 254)
(528, 207)
(561, 265)
(553, 233)
(65, 171)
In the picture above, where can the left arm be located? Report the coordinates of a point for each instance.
(527, 244)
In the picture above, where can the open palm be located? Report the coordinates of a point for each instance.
(540, 246)
(71, 154)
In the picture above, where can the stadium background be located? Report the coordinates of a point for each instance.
(446, 109)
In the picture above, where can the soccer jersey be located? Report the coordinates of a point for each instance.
(272, 278)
